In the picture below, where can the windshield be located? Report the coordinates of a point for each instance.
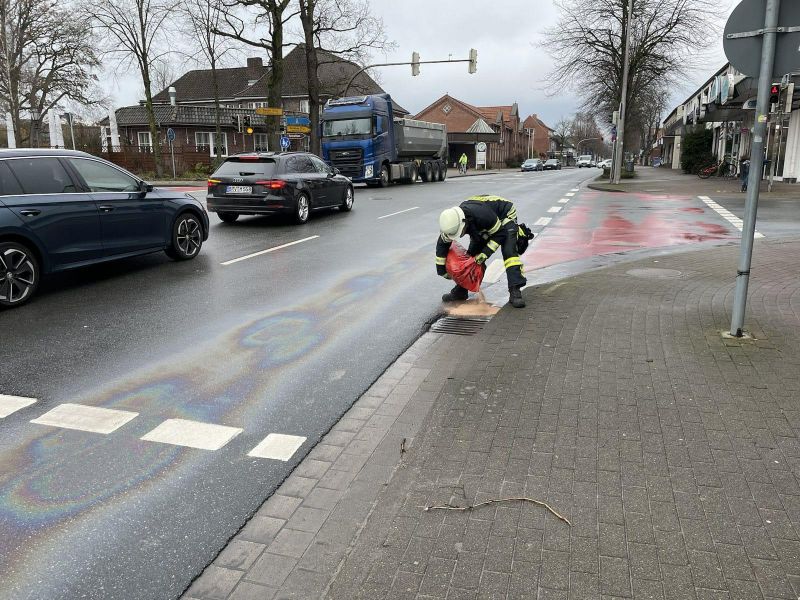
(587, 157)
(347, 127)
(531, 161)
(244, 168)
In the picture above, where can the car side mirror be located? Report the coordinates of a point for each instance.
(145, 187)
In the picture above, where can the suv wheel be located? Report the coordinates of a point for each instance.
(302, 209)
(19, 274)
(187, 237)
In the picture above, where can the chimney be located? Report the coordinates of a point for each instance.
(173, 95)
(255, 68)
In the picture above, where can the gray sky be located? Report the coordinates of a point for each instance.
(511, 65)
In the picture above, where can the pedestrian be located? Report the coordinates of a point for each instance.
(462, 163)
(491, 223)
(744, 171)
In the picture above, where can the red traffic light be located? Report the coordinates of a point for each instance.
(775, 90)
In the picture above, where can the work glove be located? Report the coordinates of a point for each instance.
(447, 275)
(481, 258)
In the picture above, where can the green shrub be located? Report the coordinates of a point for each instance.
(696, 148)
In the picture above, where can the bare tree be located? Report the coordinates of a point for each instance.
(162, 74)
(135, 32)
(585, 132)
(46, 56)
(336, 30)
(261, 24)
(205, 18)
(667, 39)
(562, 133)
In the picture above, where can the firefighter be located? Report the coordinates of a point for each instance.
(491, 223)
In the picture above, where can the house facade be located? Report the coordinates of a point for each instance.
(539, 136)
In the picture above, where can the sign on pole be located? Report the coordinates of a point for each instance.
(298, 129)
(285, 142)
(269, 111)
(171, 139)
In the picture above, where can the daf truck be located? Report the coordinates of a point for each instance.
(364, 141)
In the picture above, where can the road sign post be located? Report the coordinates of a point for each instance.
(171, 139)
(285, 142)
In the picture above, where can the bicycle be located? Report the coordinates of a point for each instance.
(721, 169)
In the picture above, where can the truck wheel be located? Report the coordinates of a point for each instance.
(385, 176)
(427, 172)
(414, 174)
(442, 171)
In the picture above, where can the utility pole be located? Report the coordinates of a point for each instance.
(616, 166)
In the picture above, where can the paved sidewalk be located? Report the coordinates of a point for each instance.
(673, 181)
(674, 452)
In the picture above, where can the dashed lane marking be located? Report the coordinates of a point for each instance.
(543, 221)
(575, 190)
(268, 250)
(399, 212)
(554, 209)
(569, 194)
(563, 200)
(11, 404)
(192, 434)
(727, 215)
(85, 418)
(277, 446)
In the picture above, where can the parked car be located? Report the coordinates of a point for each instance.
(532, 164)
(61, 209)
(605, 164)
(552, 164)
(265, 183)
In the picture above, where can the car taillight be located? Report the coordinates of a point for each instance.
(273, 184)
(212, 183)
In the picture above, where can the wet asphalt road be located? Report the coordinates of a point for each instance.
(279, 343)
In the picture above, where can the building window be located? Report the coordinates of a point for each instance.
(145, 141)
(304, 108)
(260, 139)
(204, 141)
(258, 104)
(446, 109)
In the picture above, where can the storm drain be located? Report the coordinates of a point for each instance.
(459, 325)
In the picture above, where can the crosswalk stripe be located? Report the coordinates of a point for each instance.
(727, 215)
(554, 209)
(543, 221)
(11, 404)
(569, 194)
(277, 446)
(85, 418)
(563, 200)
(192, 434)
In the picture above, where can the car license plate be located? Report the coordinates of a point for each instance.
(239, 189)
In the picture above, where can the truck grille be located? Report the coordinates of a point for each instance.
(348, 161)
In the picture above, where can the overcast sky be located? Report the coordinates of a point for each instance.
(511, 64)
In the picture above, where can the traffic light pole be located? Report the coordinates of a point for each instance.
(400, 64)
(756, 166)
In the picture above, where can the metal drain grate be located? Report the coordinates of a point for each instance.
(459, 325)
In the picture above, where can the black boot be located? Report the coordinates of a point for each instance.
(515, 298)
(457, 294)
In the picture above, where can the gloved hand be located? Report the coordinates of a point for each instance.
(447, 275)
(481, 258)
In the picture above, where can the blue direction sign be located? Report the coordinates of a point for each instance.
(171, 135)
(298, 121)
(285, 142)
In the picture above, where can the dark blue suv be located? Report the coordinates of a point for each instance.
(61, 209)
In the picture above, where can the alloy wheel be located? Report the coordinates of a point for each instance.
(189, 236)
(302, 208)
(348, 198)
(18, 275)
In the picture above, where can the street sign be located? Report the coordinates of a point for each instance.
(297, 121)
(298, 129)
(296, 136)
(742, 39)
(269, 111)
(171, 135)
(285, 142)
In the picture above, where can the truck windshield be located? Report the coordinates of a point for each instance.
(346, 127)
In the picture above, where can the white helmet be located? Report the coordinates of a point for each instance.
(452, 223)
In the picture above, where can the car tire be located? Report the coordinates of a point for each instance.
(19, 274)
(347, 201)
(385, 181)
(228, 217)
(187, 237)
(302, 208)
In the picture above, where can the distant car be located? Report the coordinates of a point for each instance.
(552, 165)
(61, 209)
(605, 164)
(266, 183)
(532, 164)
(585, 161)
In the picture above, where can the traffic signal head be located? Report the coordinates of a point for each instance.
(414, 64)
(774, 93)
(247, 121)
(249, 131)
(473, 60)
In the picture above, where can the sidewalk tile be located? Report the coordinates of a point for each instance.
(215, 583)
(291, 543)
(239, 554)
(252, 591)
(271, 569)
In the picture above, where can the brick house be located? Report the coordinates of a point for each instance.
(540, 143)
(467, 125)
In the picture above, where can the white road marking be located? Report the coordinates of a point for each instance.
(399, 212)
(554, 209)
(563, 200)
(277, 446)
(11, 404)
(569, 194)
(85, 418)
(543, 221)
(268, 250)
(494, 271)
(193, 434)
(727, 215)
(575, 190)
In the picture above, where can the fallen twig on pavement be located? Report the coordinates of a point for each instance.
(520, 499)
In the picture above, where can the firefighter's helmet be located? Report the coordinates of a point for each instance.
(452, 223)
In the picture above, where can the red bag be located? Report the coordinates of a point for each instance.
(463, 268)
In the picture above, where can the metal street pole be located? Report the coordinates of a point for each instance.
(756, 165)
(71, 131)
(617, 170)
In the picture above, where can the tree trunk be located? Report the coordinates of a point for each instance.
(274, 94)
(217, 128)
(151, 121)
(307, 8)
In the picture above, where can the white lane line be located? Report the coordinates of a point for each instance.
(575, 190)
(554, 209)
(11, 404)
(543, 221)
(399, 212)
(277, 446)
(268, 250)
(563, 201)
(85, 418)
(569, 194)
(192, 434)
(727, 215)
(494, 271)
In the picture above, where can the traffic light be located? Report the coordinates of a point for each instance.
(236, 120)
(247, 121)
(248, 130)
(774, 93)
(473, 60)
(414, 64)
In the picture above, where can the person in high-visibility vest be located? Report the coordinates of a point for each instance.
(491, 223)
(462, 163)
